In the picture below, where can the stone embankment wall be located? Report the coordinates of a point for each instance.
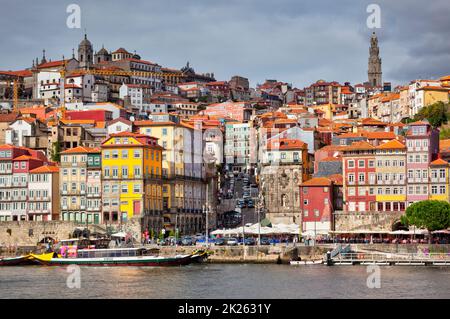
(253, 254)
(376, 221)
(30, 233)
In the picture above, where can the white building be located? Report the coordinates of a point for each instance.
(119, 125)
(43, 193)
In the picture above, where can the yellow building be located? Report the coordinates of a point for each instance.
(439, 180)
(428, 95)
(184, 189)
(132, 179)
(389, 176)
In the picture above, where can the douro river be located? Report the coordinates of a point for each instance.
(226, 281)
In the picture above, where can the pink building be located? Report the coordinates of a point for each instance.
(239, 111)
(422, 142)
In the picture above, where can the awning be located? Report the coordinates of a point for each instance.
(119, 234)
(358, 232)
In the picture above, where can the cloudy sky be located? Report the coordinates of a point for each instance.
(289, 40)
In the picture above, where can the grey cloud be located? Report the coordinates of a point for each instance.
(294, 41)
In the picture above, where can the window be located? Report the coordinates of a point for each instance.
(305, 213)
(361, 163)
(442, 173)
(351, 164)
(425, 158)
(137, 188)
(410, 174)
(106, 155)
(361, 191)
(442, 189)
(164, 132)
(379, 163)
(434, 189)
(305, 202)
(351, 178)
(115, 154)
(351, 191)
(361, 178)
(371, 163)
(125, 171)
(124, 188)
(124, 154)
(137, 154)
(434, 173)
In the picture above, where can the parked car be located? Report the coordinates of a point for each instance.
(232, 241)
(240, 203)
(265, 241)
(219, 242)
(249, 241)
(250, 203)
(187, 241)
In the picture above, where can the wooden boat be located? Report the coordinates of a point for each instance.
(119, 257)
(14, 261)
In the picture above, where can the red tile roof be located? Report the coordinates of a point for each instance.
(45, 169)
(286, 144)
(439, 162)
(318, 181)
(81, 149)
(394, 144)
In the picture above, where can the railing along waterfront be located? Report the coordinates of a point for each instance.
(392, 258)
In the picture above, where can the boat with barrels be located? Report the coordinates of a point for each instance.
(119, 257)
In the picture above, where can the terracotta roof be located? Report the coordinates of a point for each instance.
(153, 123)
(434, 88)
(318, 181)
(10, 117)
(45, 169)
(445, 78)
(121, 50)
(423, 122)
(439, 162)
(336, 178)
(51, 64)
(331, 159)
(25, 158)
(394, 144)
(81, 149)
(21, 73)
(379, 135)
(286, 144)
(360, 145)
(370, 121)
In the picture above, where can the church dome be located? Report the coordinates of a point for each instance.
(85, 42)
(103, 51)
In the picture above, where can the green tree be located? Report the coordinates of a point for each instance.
(429, 214)
(435, 113)
(56, 152)
(444, 133)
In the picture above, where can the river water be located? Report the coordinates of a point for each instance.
(240, 281)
